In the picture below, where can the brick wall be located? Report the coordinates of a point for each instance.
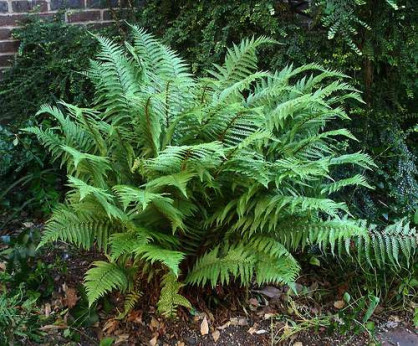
(76, 12)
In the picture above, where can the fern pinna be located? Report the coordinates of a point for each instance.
(201, 179)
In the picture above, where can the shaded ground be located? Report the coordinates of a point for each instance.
(401, 336)
(266, 316)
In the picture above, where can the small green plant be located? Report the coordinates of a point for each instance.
(353, 319)
(19, 317)
(201, 180)
(51, 54)
(23, 262)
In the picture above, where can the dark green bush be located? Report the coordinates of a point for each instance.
(373, 42)
(47, 68)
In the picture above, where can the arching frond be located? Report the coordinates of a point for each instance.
(102, 278)
(222, 176)
(170, 299)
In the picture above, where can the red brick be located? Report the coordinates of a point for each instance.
(9, 46)
(5, 34)
(85, 16)
(11, 19)
(99, 25)
(6, 60)
(118, 13)
(62, 4)
(27, 5)
(4, 7)
(101, 3)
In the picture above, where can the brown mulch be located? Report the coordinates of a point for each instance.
(233, 318)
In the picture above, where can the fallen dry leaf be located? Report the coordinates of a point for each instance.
(239, 321)
(180, 343)
(47, 309)
(3, 266)
(135, 316)
(394, 318)
(110, 326)
(271, 292)
(391, 324)
(253, 302)
(297, 343)
(153, 341)
(28, 224)
(261, 331)
(70, 297)
(154, 324)
(253, 329)
(226, 325)
(269, 315)
(64, 287)
(53, 326)
(204, 327)
(122, 338)
(339, 304)
(215, 335)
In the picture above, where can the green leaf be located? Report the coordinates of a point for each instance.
(103, 278)
(108, 341)
(315, 261)
(346, 297)
(374, 302)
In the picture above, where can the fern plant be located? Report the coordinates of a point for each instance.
(200, 180)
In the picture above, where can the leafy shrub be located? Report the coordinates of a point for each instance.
(332, 33)
(19, 317)
(22, 279)
(23, 262)
(46, 69)
(202, 30)
(202, 179)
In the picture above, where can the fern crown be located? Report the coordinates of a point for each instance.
(204, 180)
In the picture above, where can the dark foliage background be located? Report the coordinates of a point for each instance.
(374, 41)
(48, 67)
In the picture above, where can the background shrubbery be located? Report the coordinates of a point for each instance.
(48, 67)
(367, 40)
(373, 42)
(380, 55)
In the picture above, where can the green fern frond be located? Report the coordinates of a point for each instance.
(391, 246)
(179, 158)
(131, 299)
(240, 61)
(159, 60)
(360, 159)
(178, 180)
(170, 299)
(80, 226)
(275, 270)
(218, 266)
(154, 253)
(103, 278)
(331, 233)
(357, 180)
(125, 243)
(275, 264)
(140, 198)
